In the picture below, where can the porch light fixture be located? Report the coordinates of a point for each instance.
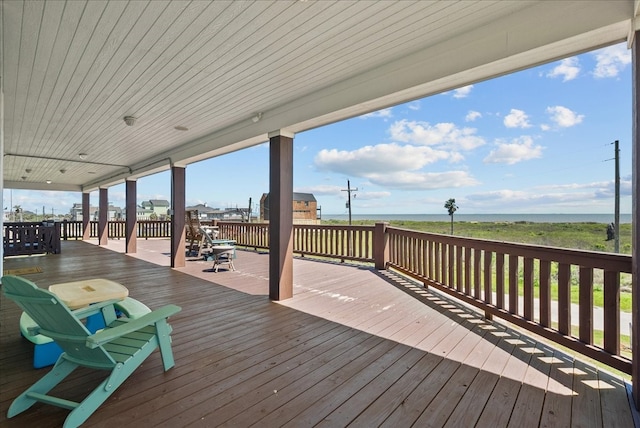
(28, 170)
(62, 171)
(130, 120)
(48, 181)
(257, 117)
(82, 156)
(23, 178)
(180, 128)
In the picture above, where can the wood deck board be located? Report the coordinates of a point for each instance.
(353, 347)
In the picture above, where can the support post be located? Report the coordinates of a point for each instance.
(280, 215)
(635, 239)
(380, 246)
(103, 217)
(86, 216)
(131, 231)
(178, 202)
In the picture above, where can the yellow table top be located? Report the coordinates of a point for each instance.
(78, 294)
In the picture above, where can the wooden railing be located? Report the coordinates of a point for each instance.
(341, 242)
(501, 279)
(516, 282)
(27, 238)
(116, 229)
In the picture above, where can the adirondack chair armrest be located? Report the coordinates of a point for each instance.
(93, 309)
(109, 334)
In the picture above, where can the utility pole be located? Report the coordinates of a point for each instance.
(349, 190)
(616, 214)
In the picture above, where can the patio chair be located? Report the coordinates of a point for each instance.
(195, 235)
(120, 348)
(223, 254)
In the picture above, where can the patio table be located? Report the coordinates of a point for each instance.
(78, 294)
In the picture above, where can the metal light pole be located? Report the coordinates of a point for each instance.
(349, 190)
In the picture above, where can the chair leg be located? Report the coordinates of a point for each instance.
(163, 330)
(58, 373)
(98, 396)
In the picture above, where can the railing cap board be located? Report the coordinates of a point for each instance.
(585, 258)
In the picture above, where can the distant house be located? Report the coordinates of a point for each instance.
(208, 213)
(159, 207)
(114, 213)
(305, 208)
(143, 213)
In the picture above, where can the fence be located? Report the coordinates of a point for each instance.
(516, 282)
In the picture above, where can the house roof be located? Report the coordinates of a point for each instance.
(231, 72)
(302, 197)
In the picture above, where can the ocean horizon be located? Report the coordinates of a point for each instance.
(490, 218)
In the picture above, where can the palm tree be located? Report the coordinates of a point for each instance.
(17, 210)
(451, 206)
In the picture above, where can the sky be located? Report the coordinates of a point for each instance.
(536, 141)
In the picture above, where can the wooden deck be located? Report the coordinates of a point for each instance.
(354, 347)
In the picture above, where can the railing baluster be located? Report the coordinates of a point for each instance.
(459, 263)
(564, 298)
(500, 280)
(612, 312)
(513, 284)
(487, 276)
(586, 305)
(528, 288)
(444, 255)
(467, 270)
(451, 271)
(437, 261)
(477, 277)
(545, 293)
(431, 256)
(488, 283)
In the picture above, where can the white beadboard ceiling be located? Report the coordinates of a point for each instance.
(71, 71)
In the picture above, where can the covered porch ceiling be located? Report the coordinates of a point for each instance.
(232, 71)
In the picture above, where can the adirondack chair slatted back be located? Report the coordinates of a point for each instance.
(55, 320)
(192, 221)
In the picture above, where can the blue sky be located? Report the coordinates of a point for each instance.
(536, 141)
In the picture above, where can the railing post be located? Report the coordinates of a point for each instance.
(380, 246)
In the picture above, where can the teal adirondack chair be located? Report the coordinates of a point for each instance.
(120, 348)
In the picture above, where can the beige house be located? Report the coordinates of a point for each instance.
(305, 208)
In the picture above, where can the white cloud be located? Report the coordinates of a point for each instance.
(599, 189)
(516, 119)
(414, 105)
(519, 150)
(384, 113)
(407, 180)
(370, 196)
(462, 92)
(568, 69)
(610, 61)
(527, 199)
(445, 134)
(381, 158)
(322, 189)
(540, 199)
(472, 115)
(564, 117)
